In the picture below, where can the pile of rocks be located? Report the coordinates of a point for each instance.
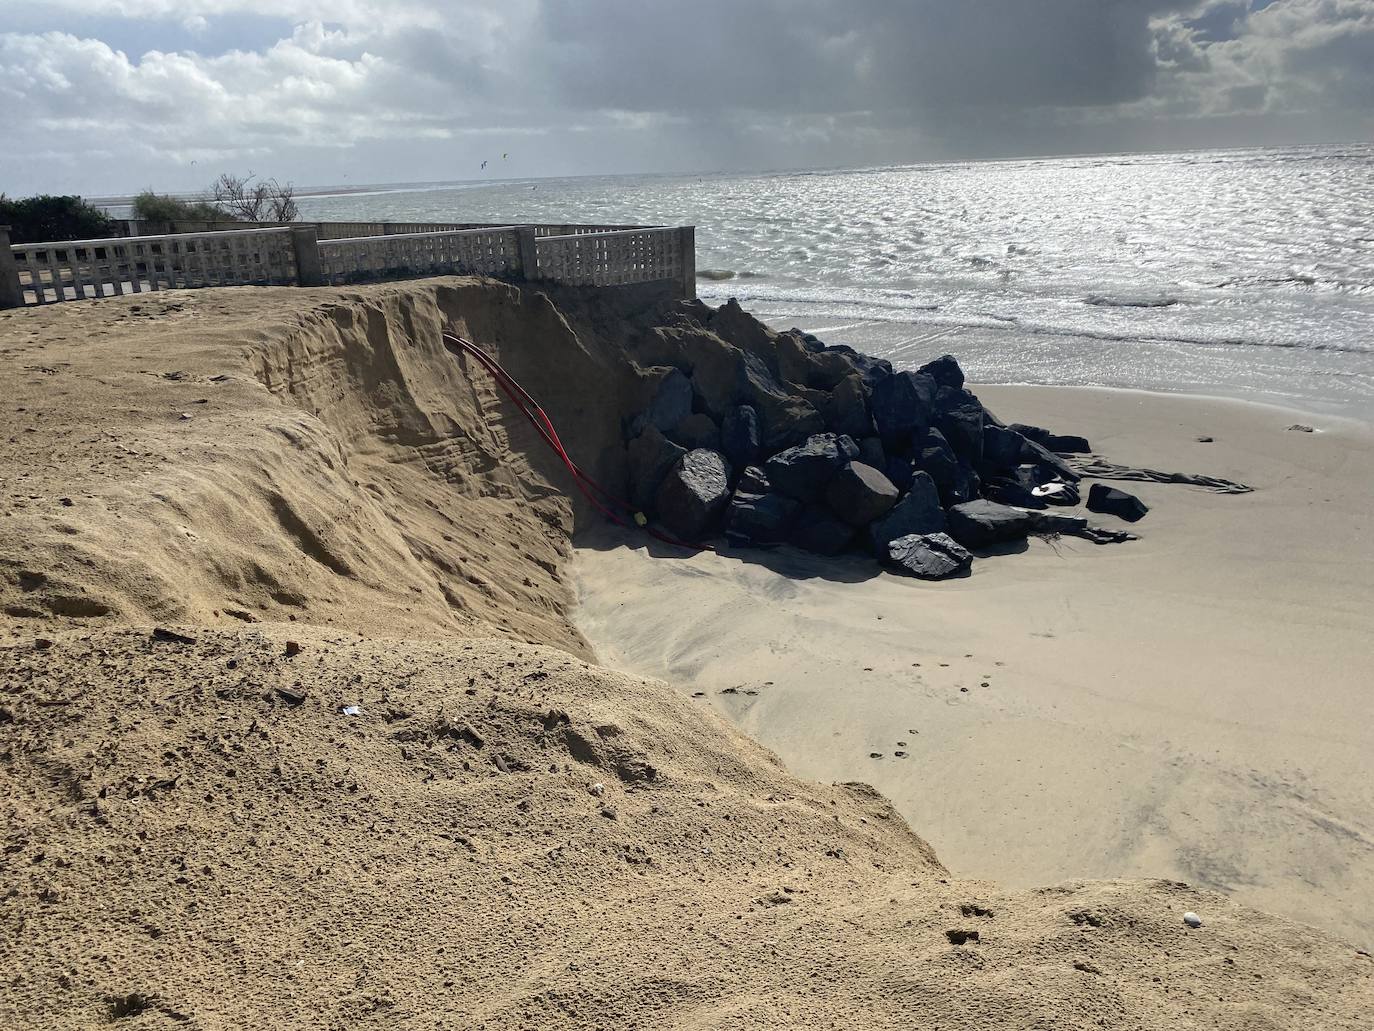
(779, 439)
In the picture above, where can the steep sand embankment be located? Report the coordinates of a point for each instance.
(197, 834)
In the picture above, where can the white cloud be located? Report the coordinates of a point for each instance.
(405, 87)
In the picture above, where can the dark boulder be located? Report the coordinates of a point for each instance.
(1054, 522)
(903, 405)
(873, 370)
(1009, 491)
(900, 471)
(945, 371)
(739, 436)
(917, 513)
(1110, 501)
(847, 411)
(1035, 454)
(804, 471)
(693, 494)
(1001, 448)
(671, 403)
(961, 422)
(784, 418)
(928, 556)
(818, 530)
(859, 494)
(978, 524)
(651, 455)
(967, 486)
(1060, 444)
(871, 452)
(754, 481)
(717, 371)
(696, 431)
(936, 457)
(760, 519)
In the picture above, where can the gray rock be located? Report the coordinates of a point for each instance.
(1001, 448)
(760, 519)
(945, 371)
(903, 405)
(859, 494)
(804, 471)
(1060, 444)
(1035, 454)
(848, 409)
(900, 471)
(651, 455)
(978, 524)
(961, 421)
(696, 431)
(739, 436)
(819, 531)
(966, 487)
(917, 513)
(672, 401)
(754, 481)
(694, 494)
(1110, 501)
(930, 556)
(937, 458)
(871, 452)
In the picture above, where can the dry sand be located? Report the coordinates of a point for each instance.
(1195, 705)
(196, 834)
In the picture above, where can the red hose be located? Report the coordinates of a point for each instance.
(543, 425)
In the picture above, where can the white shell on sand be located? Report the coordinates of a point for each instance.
(1192, 919)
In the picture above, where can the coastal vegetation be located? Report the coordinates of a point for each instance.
(52, 217)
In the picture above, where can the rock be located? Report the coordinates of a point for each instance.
(871, 452)
(903, 406)
(945, 371)
(739, 436)
(847, 412)
(917, 513)
(671, 403)
(754, 481)
(819, 531)
(651, 455)
(929, 556)
(717, 371)
(936, 457)
(696, 431)
(1059, 443)
(694, 494)
(292, 648)
(1192, 919)
(1205, 440)
(1001, 448)
(1008, 491)
(760, 519)
(804, 471)
(900, 471)
(961, 422)
(1054, 522)
(1299, 427)
(784, 418)
(859, 494)
(966, 487)
(1036, 454)
(978, 524)
(1110, 501)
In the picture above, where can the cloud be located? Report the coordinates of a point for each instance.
(410, 89)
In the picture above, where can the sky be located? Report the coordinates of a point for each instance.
(107, 97)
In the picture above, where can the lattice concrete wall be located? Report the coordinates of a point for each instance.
(487, 252)
(82, 269)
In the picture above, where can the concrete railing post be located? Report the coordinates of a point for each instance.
(11, 293)
(687, 242)
(529, 253)
(305, 242)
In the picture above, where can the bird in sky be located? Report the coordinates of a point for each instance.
(484, 166)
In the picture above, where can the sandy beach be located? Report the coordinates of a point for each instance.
(1194, 705)
(292, 700)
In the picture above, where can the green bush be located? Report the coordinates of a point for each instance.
(47, 217)
(161, 208)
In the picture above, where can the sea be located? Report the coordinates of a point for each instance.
(1236, 273)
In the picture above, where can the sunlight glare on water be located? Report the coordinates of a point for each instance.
(1248, 273)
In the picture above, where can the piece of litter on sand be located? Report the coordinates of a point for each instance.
(352, 710)
(597, 789)
(1192, 919)
(1300, 428)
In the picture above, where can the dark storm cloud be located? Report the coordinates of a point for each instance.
(422, 88)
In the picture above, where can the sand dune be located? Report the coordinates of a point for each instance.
(200, 832)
